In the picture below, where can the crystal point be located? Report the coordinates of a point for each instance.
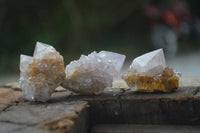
(150, 73)
(150, 63)
(91, 74)
(24, 62)
(42, 73)
(116, 59)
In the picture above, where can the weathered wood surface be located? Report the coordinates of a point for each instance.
(19, 116)
(68, 112)
(131, 128)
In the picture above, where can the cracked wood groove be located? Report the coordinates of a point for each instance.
(131, 128)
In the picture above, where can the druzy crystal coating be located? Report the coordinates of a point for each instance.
(150, 73)
(91, 74)
(42, 73)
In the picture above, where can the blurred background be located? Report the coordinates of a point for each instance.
(76, 27)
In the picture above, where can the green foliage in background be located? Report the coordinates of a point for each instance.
(73, 27)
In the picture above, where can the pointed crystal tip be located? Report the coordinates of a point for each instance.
(150, 73)
(43, 50)
(150, 64)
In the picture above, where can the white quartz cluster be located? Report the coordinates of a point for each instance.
(42, 73)
(91, 74)
(149, 64)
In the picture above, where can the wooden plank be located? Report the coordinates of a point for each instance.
(8, 96)
(17, 115)
(45, 117)
(184, 82)
(67, 111)
(130, 128)
(189, 82)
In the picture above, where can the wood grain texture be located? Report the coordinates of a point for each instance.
(69, 112)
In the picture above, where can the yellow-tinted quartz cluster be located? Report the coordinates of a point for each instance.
(167, 81)
(149, 72)
(47, 73)
(42, 73)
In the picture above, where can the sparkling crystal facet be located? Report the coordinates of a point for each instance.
(150, 64)
(116, 59)
(149, 73)
(91, 74)
(42, 73)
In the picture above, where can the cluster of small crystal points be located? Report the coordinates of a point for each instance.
(42, 73)
(91, 74)
(150, 73)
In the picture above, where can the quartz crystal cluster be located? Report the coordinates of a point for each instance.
(42, 73)
(91, 74)
(150, 73)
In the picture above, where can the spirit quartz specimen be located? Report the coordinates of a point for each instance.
(42, 73)
(91, 74)
(150, 73)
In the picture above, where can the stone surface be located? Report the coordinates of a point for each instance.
(42, 73)
(149, 73)
(91, 74)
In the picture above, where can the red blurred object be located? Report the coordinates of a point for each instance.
(170, 22)
(171, 18)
